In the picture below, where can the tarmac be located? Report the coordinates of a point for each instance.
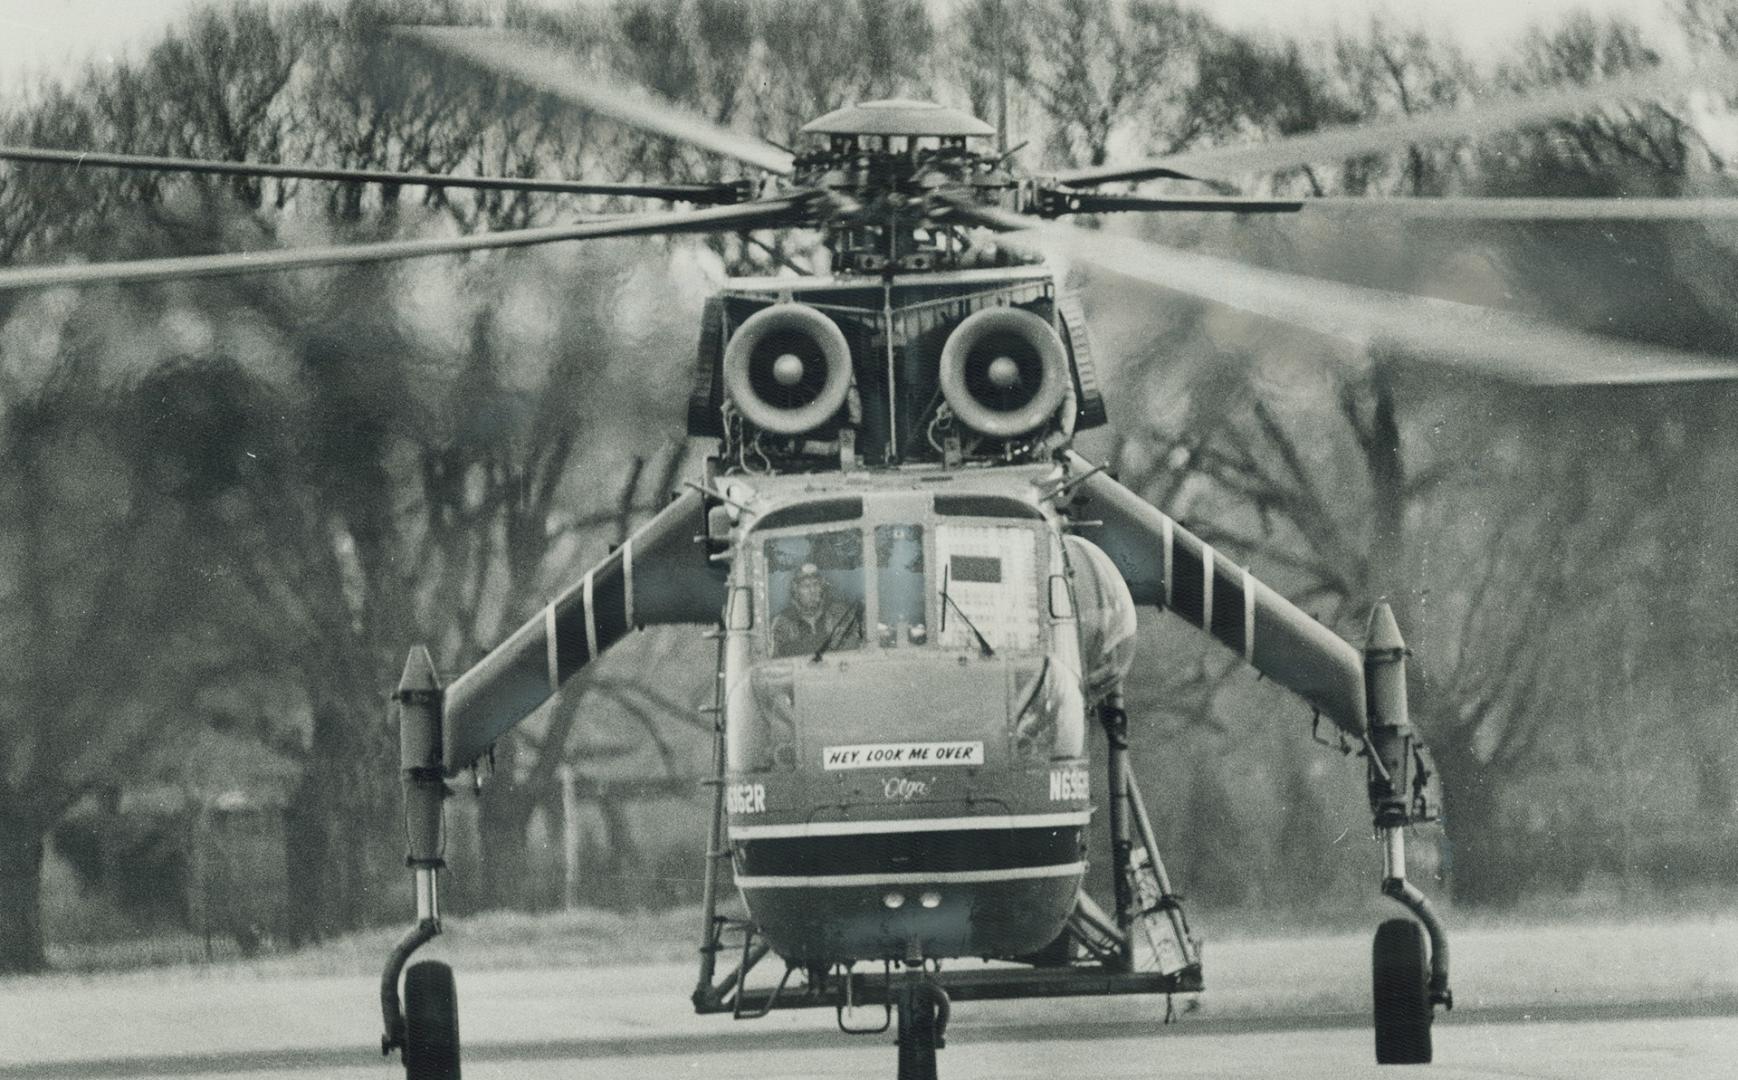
(632, 1023)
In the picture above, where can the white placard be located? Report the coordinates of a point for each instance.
(902, 755)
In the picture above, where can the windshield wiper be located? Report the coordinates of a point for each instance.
(836, 634)
(983, 642)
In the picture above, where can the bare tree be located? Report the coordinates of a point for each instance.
(106, 592)
(818, 58)
(1100, 72)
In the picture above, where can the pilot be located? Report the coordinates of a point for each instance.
(815, 621)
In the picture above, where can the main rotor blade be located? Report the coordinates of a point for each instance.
(1384, 323)
(1539, 208)
(1053, 202)
(1341, 143)
(699, 193)
(725, 218)
(558, 73)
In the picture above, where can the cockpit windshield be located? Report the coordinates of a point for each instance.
(992, 580)
(822, 599)
(902, 597)
(815, 589)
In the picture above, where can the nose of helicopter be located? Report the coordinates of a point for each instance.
(928, 698)
(913, 823)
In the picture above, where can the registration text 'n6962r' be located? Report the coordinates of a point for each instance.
(1070, 784)
(746, 798)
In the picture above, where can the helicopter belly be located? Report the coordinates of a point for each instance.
(991, 886)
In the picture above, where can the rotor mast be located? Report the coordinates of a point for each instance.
(882, 163)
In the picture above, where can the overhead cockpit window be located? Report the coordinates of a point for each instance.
(815, 512)
(814, 585)
(988, 574)
(901, 594)
(985, 506)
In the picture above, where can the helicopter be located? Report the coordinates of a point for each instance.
(922, 596)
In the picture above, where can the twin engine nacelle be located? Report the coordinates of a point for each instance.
(1003, 371)
(788, 369)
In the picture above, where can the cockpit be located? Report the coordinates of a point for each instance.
(901, 614)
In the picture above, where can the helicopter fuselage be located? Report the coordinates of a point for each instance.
(906, 764)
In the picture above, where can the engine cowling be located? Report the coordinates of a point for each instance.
(788, 368)
(1004, 372)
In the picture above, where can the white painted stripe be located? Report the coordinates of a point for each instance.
(549, 641)
(908, 825)
(628, 583)
(590, 619)
(1248, 615)
(1207, 587)
(943, 877)
(1166, 557)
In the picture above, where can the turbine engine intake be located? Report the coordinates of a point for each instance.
(788, 368)
(1004, 372)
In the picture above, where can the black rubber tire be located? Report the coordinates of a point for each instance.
(917, 1034)
(1400, 992)
(431, 1022)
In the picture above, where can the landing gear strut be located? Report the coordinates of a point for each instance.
(1407, 981)
(426, 1028)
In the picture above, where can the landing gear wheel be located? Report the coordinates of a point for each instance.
(1400, 985)
(431, 1022)
(923, 1013)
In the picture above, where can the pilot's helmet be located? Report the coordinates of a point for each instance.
(808, 572)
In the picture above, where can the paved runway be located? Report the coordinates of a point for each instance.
(628, 1024)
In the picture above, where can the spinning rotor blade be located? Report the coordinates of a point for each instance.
(1470, 208)
(1462, 336)
(1054, 201)
(1531, 209)
(699, 193)
(555, 72)
(1341, 143)
(729, 218)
